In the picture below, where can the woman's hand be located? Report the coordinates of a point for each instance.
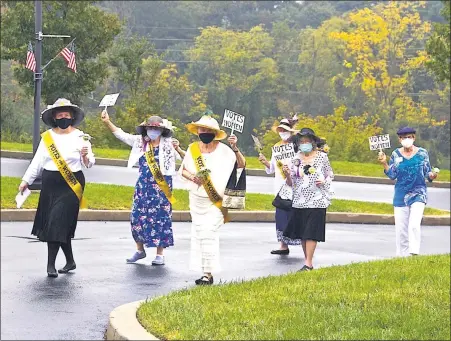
(233, 140)
(382, 158)
(320, 182)
(262, 159)
(432, 175)
(198, 181)
(23, 186)
(105, 117)
(84, 151)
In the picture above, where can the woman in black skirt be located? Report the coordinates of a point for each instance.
(310, 177)
(59, 202)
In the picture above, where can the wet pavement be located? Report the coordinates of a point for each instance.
(77, 305)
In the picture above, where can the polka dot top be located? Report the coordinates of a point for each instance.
(306, 194)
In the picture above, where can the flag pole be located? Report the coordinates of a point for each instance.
(51, 60)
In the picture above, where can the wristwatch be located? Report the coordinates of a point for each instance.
(236, 150)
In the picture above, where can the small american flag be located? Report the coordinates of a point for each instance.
(31, 61)
(68, 54)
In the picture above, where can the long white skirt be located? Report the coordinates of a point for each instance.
(206, 221)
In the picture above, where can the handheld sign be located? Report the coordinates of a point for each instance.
(379, 141)
(283, 152)
(257, 143)
(109, 100)
(233, 120)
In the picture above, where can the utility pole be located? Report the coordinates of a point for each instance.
(38, 81)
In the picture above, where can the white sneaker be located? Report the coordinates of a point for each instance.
(159, 260)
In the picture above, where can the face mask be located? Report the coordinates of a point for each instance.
(285, 135)
(306, 147)
(206, 137)
(63, 123)
(407, 143)
(153, 134)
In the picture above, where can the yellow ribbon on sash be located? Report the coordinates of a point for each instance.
(158, 176)
(208, 184)
(63, 168)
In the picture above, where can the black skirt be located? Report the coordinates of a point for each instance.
(58, 207)
(307, 224)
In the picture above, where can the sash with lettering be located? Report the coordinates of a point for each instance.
(63, 168)
(214, 196)
(158, 176)
(279, 164)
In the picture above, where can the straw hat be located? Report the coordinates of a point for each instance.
(152, 121)
(284, 124)
(209, 123)
(62, 104)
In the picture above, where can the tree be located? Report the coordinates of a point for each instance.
(93, 29)
(438, 46)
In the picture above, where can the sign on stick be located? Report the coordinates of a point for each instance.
(109, 100)
(233, 121)
(283, 152)
(379, 142)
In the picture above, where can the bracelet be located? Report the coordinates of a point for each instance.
(236, 151)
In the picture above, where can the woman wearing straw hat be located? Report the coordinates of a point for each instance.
(284, 152)
(207, 167)
(151, 217)
(61, 155)
(310, 177)
(410, 167)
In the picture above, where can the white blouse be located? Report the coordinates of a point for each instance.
(69, 146)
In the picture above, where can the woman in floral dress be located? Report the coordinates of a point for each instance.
(151, 217)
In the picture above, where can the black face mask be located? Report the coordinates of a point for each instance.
(64, 123)
(206, 137)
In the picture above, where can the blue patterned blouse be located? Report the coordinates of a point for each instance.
(410, 175)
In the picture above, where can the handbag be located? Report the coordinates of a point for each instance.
(283, 204)
(235, 191)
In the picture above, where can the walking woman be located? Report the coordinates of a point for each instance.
(310, 177)
(409, 166)
(282, 154)
(151, 216)
(61, 155)
(207, 167)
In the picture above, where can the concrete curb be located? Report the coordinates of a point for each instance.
(249, 172)
(14, 215)
(123, 324)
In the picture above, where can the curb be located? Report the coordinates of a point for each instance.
(123, 324)
(249, 172)
(16, 215)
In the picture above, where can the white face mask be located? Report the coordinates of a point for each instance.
(285, 135)
(407, 143)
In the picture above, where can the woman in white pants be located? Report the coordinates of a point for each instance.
(410, 167)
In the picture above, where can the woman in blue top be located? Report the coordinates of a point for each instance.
(410, 167)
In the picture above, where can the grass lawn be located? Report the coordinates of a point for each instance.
(396, 299)
(105, 197)
(340, 167)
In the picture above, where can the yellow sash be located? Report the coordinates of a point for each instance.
(208, 184)
(63, 168)
(279, 164)
(158, 176)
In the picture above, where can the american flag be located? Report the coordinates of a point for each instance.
(31, 61)
(68, 54)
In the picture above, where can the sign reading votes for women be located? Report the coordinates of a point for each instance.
(283, 152)
(233, 120)
(379, 142)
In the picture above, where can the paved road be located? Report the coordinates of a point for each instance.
(76, 306)
(438, 197)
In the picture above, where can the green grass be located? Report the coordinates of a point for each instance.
(109, 197)
(340, 167)
(396, 299)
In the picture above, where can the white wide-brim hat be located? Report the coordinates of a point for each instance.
(284, 124)
(58, 106)
(207, 122)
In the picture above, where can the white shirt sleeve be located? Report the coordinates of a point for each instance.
(36, 166)
(272, 166)
(125, 137)
(91, 158)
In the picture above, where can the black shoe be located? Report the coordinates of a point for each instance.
(280, 252)
(67, 268)
(52, 273)
(204, 280)
(306, 268)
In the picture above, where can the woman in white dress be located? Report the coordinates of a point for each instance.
(284, 154)
(207, 167)
(61, 155)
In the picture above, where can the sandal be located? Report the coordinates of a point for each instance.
(306, 268)
(204, 280)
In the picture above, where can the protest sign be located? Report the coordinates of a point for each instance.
(283, 152)
(379, 142)
(109, 100)
(233, 120)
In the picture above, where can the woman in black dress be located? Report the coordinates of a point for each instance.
(61, 155)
